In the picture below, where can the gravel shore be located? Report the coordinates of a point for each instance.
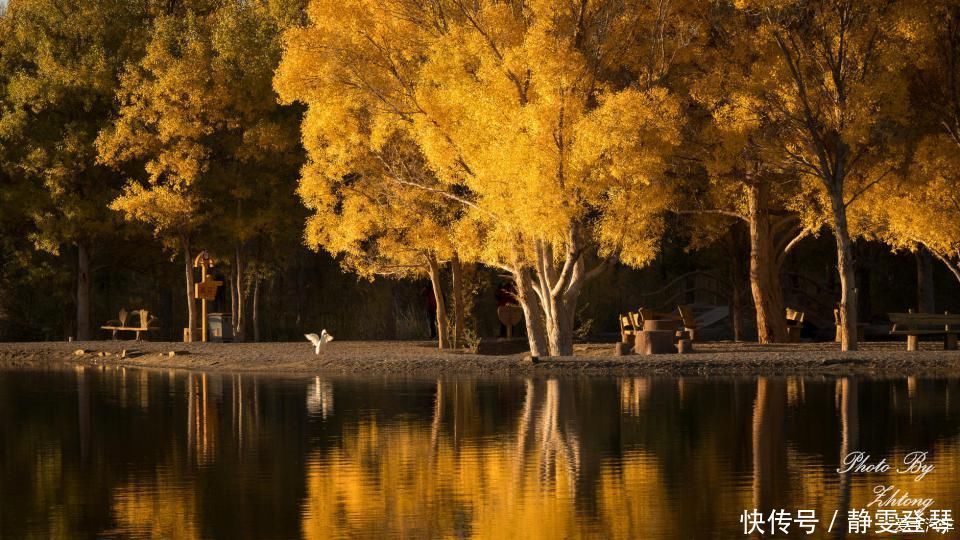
(422, 358)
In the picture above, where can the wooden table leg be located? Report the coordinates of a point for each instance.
(911, 343)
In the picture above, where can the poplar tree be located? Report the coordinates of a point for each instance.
(199, 112)
(62, 60)
(549, 123)
(829, 76)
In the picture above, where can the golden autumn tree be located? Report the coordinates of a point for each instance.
(747, 176)
(829, 76)
(165, 103)
(740, 185)
(923, 207)
(375, 202)
(364, 211)
(548, 122)
(199, 113)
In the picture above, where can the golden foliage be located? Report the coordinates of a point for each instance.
(507, 112)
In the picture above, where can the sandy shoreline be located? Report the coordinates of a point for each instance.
(420, 358)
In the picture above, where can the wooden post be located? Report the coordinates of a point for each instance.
(203, 306)
(203, 289)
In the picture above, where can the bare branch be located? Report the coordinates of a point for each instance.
(949, 264)
(712, 211)
(782, 256)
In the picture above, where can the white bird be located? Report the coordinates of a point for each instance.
(319, 341)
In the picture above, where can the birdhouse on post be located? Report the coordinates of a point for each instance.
(206, 289)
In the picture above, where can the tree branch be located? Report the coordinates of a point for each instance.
(866, 187)
(781, 257)
(954, 269)
(712, 211)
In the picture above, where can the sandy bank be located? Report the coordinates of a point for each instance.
(417, 358)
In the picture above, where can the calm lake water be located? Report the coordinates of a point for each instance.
(122, 453)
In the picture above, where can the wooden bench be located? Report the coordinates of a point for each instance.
(123, 323)
(913, 325)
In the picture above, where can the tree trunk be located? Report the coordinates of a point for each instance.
(734, 245)
(301, 290)
(255, 312)
(845, 268)
(559, 321)
(764, 271)
(83, 292)
(532, 312)
(233, 298)
(434, 270)
(239, 316)
(191, 303)
(560, 288)
(457, 271)
(736, 311)
(926, 299)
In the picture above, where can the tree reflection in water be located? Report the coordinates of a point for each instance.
(111, 452)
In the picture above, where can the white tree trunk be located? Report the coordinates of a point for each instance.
(255, 310)
(434, 270)
(848, 284)
(456, 269)
(239, 317)
(560, 329)
(532, 312)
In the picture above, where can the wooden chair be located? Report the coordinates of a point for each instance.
(630, 325)
(861, 328)
(627, 327)
(794, 324)
(690, 324)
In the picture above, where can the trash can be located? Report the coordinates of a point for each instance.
(219, 327)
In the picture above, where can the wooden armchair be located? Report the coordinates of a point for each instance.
(794, 324)
(838, 337)
(629, 326)
(690, 324)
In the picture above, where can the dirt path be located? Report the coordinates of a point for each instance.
(414, 358)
